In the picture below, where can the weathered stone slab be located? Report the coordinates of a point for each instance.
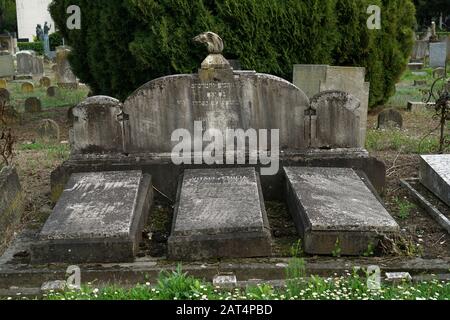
(219, 213)
(25, 62)
(333, 207)
(438, 54)
(99, 218)
(415, 65)
(64, 75)
(435, 175)
(33, 105)
(48, 130)
(420, 50)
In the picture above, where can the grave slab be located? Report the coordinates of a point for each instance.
(435, 175)
(99, 218)
(219, 213)
(328, 204)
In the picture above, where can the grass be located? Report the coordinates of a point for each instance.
(65, 97)
(177, 285)
(53, 151)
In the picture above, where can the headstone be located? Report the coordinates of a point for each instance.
(33, 105)
(336, 120)
(52, 91)
(48, 130)
(419, 106)
(3, 84)
(64, 75)
(333, 209)
(6, 66)
(27, 87)
(220, 213)
(313, 79)
(25, 62)
(439, 72)
(420, 50)
(95, 127)
(99, 218)
(389, 119)
(4, 95)
(438, 54)
(45, 82)
(435, 175)
(38, 65)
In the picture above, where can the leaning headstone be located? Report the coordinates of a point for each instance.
(389, 119)
(33, 105)
(419, 106)
(48, 130)
(435, 175)
(6, 66)
(45, 82)
(333, 209)
(438, 54)
(27, 87)
(99, 218)
(3, 84)
(52, 91)
(220, 213)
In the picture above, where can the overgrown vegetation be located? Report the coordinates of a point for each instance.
(177, 285)
(123, 44)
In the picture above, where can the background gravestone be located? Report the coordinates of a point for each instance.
(335, 120)
(45, 82)
(389, 119)
(96, 127)
(64, 75)
(33, 105)
(27, 87)
(4, 95)
(420, 50)
(6, 66)
(52, 91)
(24, 62)
(3, 84)
(313, 79)
(48, 130)
(438, 54)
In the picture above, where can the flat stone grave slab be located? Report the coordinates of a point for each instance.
(220, 213)
(435, 175)
(99, 218)
(333, 209)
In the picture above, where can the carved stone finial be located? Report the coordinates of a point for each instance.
(212, 40)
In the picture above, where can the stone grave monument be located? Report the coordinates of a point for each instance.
(435, 175)
(438, 54)
(27, 87)
(64, 75)
(48, 131)
(33, 105)
(6, 66)
(219, 205)
(389, 119)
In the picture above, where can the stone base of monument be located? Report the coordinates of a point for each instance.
(99, 218)
(335, 211)
(219, 213)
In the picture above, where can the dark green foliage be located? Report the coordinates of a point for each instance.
(56, 40)
(123, 44)
(35, 46)
(431, 9)
(8, 17)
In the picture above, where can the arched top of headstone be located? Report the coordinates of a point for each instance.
(99, 100)
(345, 100)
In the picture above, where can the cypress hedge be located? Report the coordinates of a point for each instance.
(124, 43)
